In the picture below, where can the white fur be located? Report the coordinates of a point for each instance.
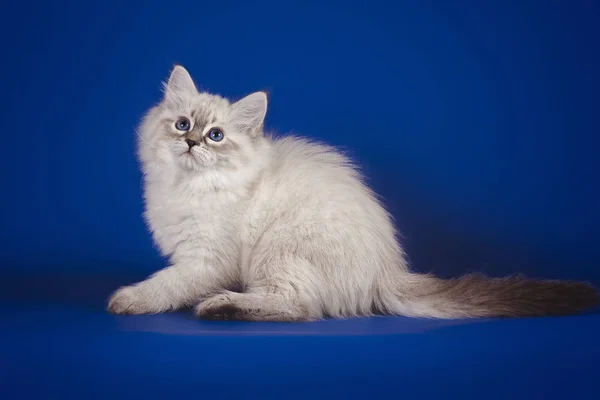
(277, 229)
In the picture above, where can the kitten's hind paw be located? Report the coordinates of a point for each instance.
(250, 307)
(218, 308)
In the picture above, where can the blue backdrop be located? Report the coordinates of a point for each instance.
(477, 121)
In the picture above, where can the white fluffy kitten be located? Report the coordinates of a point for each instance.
(268, 229)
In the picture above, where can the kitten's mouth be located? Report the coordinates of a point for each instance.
(188, 155)
(188, 160)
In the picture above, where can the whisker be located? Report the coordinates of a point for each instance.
(144, 140)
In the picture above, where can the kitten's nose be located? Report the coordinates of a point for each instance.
(191, 143)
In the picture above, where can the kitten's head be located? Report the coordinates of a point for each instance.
(200, 133)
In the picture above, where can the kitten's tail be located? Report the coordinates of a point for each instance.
(479, 296)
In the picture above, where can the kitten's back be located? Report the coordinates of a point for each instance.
(314, 206)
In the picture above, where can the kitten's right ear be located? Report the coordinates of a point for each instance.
(180, 85)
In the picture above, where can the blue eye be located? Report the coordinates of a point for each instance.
(215, 135)
(182, 124)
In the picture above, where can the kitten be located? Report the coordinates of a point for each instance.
(266, 229)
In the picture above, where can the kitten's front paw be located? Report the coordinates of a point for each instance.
(129, 300)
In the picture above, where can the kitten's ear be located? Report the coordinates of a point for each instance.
(248, 114)
(180, 85)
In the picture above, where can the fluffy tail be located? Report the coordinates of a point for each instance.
(479, 296)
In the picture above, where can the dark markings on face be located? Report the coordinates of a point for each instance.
(199, 121)
(229, 152)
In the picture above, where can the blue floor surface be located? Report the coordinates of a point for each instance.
(58, 342)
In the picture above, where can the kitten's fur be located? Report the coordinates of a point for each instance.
(268, 229)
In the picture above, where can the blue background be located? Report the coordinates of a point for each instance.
(477, 121)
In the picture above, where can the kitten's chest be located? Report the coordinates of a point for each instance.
(180, 218)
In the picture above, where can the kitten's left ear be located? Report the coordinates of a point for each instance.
(180, 85)
(248, 114)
